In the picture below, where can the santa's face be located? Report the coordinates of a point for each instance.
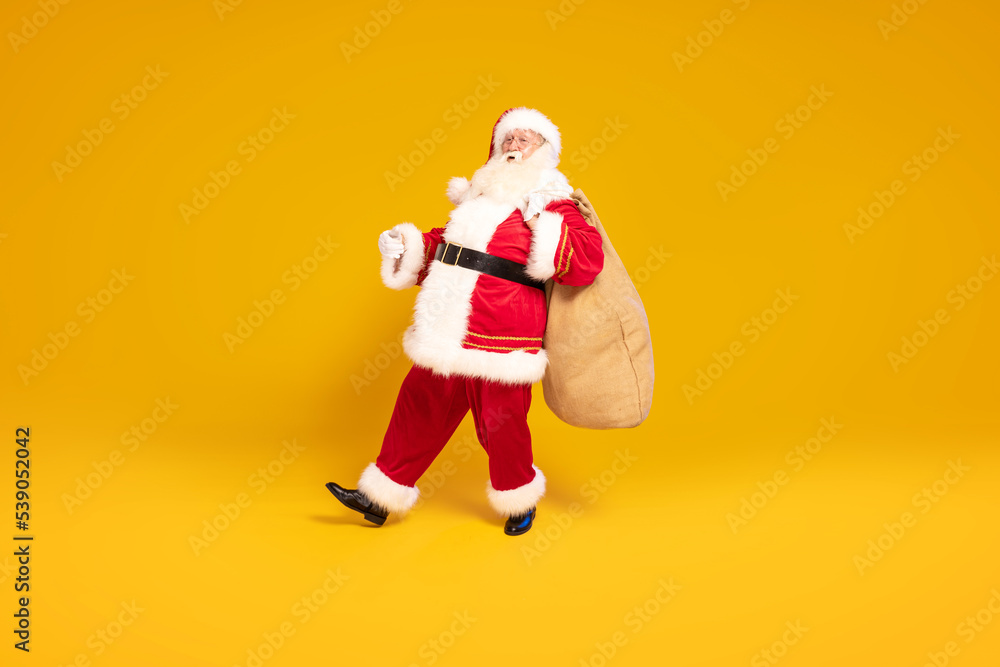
(512, 173)
(520, 144)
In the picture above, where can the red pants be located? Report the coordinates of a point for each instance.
(430, 407)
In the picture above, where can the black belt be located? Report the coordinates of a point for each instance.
(456, 255)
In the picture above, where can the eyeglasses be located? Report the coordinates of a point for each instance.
(520, 142)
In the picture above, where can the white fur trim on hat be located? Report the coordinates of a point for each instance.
(523, 118)
(411, 262)
(517, 501)
(390, 495)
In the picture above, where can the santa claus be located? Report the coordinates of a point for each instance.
(479, 320)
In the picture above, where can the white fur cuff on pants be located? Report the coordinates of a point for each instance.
(517, 501)
(389, 494)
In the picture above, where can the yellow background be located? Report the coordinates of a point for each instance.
(655, 186)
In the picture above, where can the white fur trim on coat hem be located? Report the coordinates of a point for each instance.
(444, 358)
(517, 501)
(544, 245)
(411, 262)
(390, 495)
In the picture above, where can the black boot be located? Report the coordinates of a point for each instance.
(359, 502)
(520, 524)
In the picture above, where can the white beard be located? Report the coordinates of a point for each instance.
(510, 181)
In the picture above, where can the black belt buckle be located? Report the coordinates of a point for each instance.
(444, 255)
(482, 262)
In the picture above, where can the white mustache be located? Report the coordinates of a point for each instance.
(517, 155)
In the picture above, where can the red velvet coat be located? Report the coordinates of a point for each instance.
(476, 325)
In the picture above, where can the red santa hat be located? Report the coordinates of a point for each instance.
(523, 118)
(515, 118)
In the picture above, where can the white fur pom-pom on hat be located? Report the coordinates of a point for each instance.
(457, 187)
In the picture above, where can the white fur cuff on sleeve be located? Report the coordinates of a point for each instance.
(544, 244)
(410, 263)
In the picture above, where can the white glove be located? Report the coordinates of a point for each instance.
(390, 244)
(536, 204)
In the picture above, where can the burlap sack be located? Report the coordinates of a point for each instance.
(600, 371)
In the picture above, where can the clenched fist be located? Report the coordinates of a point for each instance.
(390, 244)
